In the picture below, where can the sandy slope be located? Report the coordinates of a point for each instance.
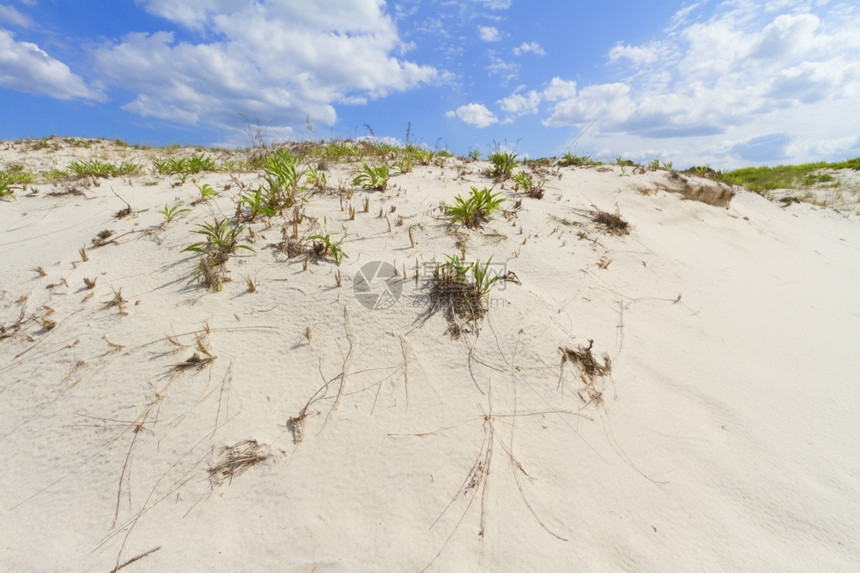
(724, 437)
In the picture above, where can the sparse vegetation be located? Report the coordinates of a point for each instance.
(459, 290)
(7, 190)
(611, 222)
(503, 164)
(476, 209)
(323, 246)
(207, 193)
(96, 168)
(237, 459)
(316, 178)
(372, 177)
(258, 204)
(54, 174)
(13, 179)
(569, 159)
(281, 180)
(170, 213)
(116, 301)
(526, 182)
(591, 371)
(764, 179)
(184, 165)
(222, 240)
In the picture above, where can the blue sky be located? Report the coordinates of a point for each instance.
(729, 83)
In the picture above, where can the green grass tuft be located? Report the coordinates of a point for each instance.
(476, 209)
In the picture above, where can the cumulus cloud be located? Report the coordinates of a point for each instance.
(532, 47)
(559, 89)
(489, 34)
(285, 61)
(768, 60)
(475, 114)
(25, 67)
(606, 101)
(521, 104)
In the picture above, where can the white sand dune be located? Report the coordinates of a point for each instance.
(721, 436)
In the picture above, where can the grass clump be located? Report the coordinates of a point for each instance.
(222, 240)
(207, 193)
(420, 155)
(503, 164)
(459, 290)
(571, 160)
(7, 190)
(476, 209)
(257, 203)
(282, 180)
(611, 222)
(316, 178)
(54, 174)
(372, 177)
(16, 174)
(323, 246)
(13, 179)
(96, 168)
(197, 163)
(527, 183)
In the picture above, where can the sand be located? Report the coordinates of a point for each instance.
(290, 427)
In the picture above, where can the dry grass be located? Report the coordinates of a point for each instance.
(590, 370)
(198, 360)
(237, 459)
(211, 274)
(611, 222)
(456, 299)
(101, 238)
(117, 301)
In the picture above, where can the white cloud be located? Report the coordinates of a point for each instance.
(610, 102)
(192, 14)
(788, 35)
(532, 47)
(284, 61)
(26, 67)
(499, 67)
(519, 104)
(475, 114)
(14, 17)
(636, 54)
(496, 4)
(489, 34)
(560, 89)
(725, 78)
